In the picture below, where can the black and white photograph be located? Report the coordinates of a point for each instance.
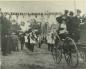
(42, 34)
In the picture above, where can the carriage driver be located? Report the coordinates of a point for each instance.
(69, 24)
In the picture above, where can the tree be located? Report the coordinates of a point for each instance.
(5, 25)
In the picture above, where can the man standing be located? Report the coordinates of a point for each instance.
(5, 28)
(50, 41)
(22, 40)
(77, 22)
(32, 41)
(15, 41)
(71, 23)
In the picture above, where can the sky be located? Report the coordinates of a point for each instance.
(42, 5)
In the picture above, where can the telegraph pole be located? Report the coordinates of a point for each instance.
(75, 8)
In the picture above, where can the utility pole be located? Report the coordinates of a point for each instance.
(75, 8)
(0, 29)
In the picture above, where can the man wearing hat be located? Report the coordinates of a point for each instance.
(77, 21)
(62, 20)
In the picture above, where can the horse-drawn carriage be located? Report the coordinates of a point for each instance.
(73, 52)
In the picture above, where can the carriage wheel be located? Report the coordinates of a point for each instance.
(71, 52)
(57, 55)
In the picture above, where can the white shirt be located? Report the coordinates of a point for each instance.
(32, 40)
(26, 40)
(63, 25)
(50, 40)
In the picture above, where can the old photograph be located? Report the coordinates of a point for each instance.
(43, 34)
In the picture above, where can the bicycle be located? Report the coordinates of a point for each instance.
(68, 48)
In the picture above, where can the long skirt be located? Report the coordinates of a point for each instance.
(32, 46)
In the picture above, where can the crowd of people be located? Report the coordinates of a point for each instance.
(68, 24)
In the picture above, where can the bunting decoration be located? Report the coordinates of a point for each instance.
(21, 13)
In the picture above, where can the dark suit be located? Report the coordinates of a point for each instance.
(22, 40)
(73, 27)
(5, 28)
(77, 28)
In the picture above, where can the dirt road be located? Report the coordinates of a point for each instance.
(39, 59)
